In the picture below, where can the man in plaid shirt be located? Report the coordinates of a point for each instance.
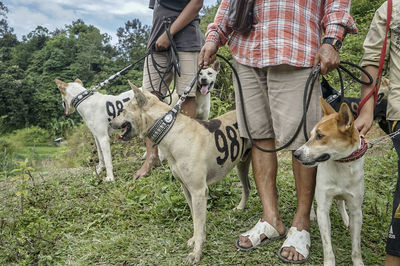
(274, 61)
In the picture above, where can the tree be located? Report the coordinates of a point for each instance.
(7, 38)
(132, 39)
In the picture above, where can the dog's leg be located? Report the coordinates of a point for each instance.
(199, 205)
(355, 231)
(313, 216)
(324, 223)
(188, 198)
(100, 167)
(104, 142)
(243, 172)
(342, 210)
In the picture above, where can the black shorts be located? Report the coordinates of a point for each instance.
(393, 240)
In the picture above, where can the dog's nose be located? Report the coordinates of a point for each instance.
(297, 154)
(203, 80)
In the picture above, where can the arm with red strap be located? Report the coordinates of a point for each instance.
(381, 62)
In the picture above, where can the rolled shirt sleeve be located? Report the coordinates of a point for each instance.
(219, 31)
(375, 37)
(337, 21)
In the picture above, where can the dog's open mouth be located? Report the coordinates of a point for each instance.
(125, 135)
(205, 88)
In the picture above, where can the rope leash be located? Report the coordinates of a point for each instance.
(306, 98)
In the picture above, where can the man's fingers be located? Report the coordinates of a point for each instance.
(201, 57)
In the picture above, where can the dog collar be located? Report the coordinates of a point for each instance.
(78, 99)
(161, 126)
(356, 154)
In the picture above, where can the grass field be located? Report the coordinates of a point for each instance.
(69, 216)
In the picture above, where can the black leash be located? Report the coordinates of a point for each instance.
(314, 75)
(162, 125)
(162, 71)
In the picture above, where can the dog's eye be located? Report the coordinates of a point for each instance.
(209, 73)
(319, 136)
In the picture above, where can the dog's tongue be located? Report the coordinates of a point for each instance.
(204, 89)
(119, 136)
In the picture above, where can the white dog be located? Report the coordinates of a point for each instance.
(199, 153)
(336, 147)
(97, 110)
(205, 83)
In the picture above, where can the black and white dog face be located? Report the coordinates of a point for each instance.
(207, 78)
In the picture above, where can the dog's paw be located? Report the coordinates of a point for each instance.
(240, 206)
(98, 170)
(193, 258)
(190, 242)
(109, 179)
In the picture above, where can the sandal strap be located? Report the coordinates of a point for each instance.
(299, 240)
(260, 228)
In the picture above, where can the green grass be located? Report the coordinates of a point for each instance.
(70, 216)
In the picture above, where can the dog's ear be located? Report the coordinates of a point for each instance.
(79, 82)
(139, 96)
(345, 117)
(216, 66)
(327, 109)
(61, 85)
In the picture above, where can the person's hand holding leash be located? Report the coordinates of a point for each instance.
(365, 119)
(208, 54)
(328, 57)
(163, 42)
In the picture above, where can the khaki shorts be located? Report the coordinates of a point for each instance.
(188, 64)
(273, 98)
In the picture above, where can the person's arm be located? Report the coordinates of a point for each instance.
(372, 51)
(366, 117)
(187, 15)
(336, 22)
(216, 36)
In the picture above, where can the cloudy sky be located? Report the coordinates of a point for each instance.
(106, 15)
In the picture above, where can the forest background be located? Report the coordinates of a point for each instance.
(50, 216)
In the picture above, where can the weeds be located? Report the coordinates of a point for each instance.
(71, 217)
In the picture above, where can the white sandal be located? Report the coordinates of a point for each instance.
(300, 240)
(254, 235)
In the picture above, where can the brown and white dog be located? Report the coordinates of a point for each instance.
(336, 147)
(199, 153)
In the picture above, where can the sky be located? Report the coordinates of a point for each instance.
(106, 15)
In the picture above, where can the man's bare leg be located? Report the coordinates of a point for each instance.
(392, 260)
(189, 107)
(151, 161)
(305, 185)
(265, 166)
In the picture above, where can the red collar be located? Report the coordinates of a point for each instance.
(356, 154)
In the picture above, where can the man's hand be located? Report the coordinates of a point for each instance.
(328, 57)
(208, 54)
(364, 122)
(163, 42)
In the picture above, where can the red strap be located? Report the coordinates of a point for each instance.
(381, 62)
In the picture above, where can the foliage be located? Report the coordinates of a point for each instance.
(72, 217)
(30, 136)
(66, 215)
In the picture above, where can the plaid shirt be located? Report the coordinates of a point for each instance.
(283, 32)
